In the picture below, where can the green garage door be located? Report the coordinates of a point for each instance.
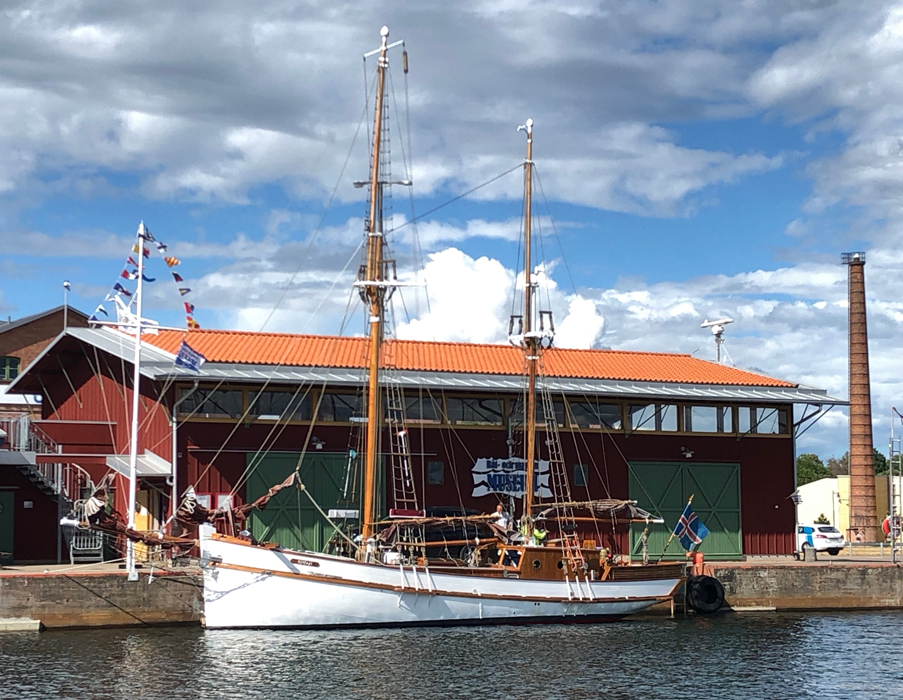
(664, 487)
(290, 519)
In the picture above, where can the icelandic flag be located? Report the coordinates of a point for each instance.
(189, 358)
(689, 529)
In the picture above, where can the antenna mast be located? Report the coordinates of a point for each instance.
(717, 331)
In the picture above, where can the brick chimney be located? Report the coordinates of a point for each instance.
(863, 508)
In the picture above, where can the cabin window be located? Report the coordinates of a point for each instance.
(9, 368)
(708, 419)
(516, 411)
(435, 473)
(280, 405)
(339, 408)
(592, 414)
(581, 475)
(211, 403)
(474, 411)
(422, 409)
(661, 417)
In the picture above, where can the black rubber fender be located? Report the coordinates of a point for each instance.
(705, 594)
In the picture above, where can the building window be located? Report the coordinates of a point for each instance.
(9, 368)
(592, 414)
(763, 420)
(339, 408)
(581, 475)
(211, 403)
(708, 419)
(422, 409)
(279, 405)
(516, 412)
(435, 473)
(474, 411)
(660, 417)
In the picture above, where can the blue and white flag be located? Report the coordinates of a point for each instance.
(189, 358)
(689, 529)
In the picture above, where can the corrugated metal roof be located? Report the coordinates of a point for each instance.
(248, 348)
(324, 354)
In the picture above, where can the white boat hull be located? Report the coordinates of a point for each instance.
(252, 586)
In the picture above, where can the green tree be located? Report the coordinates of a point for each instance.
(822, 519)
(842, 466)
(810, 468)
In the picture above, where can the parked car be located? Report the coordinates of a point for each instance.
(821, 538)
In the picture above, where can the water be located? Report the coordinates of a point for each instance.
(748, 656)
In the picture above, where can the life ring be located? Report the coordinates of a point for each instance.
(886, 525)
(705, 594)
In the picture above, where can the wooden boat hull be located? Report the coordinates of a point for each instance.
(250, 586)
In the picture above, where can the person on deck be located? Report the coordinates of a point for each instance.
(503, 520)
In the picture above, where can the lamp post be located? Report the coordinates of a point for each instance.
(66, 288)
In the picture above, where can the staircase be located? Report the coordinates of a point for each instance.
(66, 483)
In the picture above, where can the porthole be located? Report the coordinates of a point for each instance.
(561, 563)
(537, 564)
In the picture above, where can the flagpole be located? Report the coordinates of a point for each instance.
(136, 395)
(668, 543)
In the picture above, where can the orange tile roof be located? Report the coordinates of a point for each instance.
(245, 347)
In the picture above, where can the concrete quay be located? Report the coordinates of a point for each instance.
(97, 596)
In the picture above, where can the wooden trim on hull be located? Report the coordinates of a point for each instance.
(338, 581)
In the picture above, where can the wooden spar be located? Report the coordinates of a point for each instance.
(531, 344)
(376, 295)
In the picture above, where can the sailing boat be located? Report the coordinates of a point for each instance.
(248, 584)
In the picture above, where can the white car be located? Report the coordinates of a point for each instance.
(821, 538)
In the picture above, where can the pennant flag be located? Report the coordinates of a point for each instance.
(148, 236)
(136, 248)
(172, 262)
(161, 247)
(192, 324)
(131, 261)
(122, 290)
(189, 308)
(126, 275)
(184, 290)
(148, 279)
(177, 277)
(189, 358)
(689, 529)
(101, 310)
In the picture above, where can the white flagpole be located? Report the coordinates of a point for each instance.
(136, 396)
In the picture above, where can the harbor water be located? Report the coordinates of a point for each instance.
(752, 655)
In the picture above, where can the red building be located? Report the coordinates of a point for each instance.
(649, 427)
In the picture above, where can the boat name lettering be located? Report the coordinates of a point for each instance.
(305, 562)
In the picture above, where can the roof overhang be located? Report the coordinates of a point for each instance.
(160, 366)
(149, 464)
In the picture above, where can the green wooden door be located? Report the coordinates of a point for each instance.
(664, 487)
(7, 510)
(290, 519)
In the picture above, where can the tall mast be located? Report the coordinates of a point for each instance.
(531, 341)
(136, 396)
(375, 295)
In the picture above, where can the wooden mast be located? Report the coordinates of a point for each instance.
(531, 340)
(375, 295)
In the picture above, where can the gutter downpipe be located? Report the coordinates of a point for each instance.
(174, 479)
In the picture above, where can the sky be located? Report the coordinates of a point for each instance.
(694, 160)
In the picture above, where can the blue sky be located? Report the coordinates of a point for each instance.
(699, 159)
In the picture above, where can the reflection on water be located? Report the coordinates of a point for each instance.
(761, 655)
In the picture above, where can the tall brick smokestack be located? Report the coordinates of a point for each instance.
(863, 508)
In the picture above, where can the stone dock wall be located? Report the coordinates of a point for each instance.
(811, 587)
(59, 599)
(102, 599)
